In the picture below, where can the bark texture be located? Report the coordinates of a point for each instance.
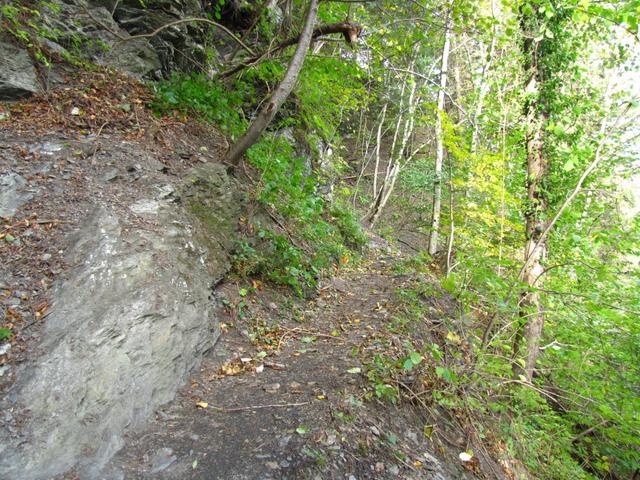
(531, 311)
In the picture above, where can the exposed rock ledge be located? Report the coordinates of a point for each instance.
(128, 321)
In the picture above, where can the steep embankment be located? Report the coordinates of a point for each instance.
(106, 265)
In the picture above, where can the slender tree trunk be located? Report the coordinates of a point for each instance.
(437, 189)
(531, 311)
(378, 145)
(452, 224)
(482, 93)
(280, 94)
(395, 157)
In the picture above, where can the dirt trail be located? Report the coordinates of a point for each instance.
(298, 412)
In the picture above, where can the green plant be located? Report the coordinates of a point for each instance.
(5, 333)
(198, 95)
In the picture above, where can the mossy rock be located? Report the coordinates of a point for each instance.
(215, 202)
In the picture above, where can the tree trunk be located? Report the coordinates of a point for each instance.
(280, 94)
(531, 312)
(395, 156)
(437, 188)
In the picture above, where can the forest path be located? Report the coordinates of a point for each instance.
(282, 394)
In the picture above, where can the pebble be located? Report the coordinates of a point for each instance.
(4, 349)
(273, 465)
(162, 459)
(284, 441)
(271, 388)
(379, 467)
(4, 370)
(110, 175)
(46, 257)
(394, 470)
(284, 464)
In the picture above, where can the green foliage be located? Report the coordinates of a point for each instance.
(5, 333)
(322, 236)
(328, 90)
(204, 98)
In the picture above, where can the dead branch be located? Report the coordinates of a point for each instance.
(350, 30)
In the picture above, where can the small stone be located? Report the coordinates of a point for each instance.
(111, 175)
(284, 464)
(4, 369)
(375, 431)
(271, 388)
(273, 465)
(273, 306)
(145, 207)
(75, 111)
(162, 459)
(165, 191)
(4, 349)
(394, 470)
(284, 441)
(411, 435)
(352, 477)
(46, 257)
(379, 468)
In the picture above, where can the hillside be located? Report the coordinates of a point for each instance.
(319, 239)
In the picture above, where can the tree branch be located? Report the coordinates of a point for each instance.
(350, 30)
(123, 38)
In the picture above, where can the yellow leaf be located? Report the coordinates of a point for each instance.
(202, 404)
(453, 338)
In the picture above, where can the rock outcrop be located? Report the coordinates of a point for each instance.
(18, 78)
(100, 32)
(129, 320)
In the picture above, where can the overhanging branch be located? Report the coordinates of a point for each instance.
(350, 31)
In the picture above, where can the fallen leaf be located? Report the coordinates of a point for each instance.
(302, 429)
(354, 370)
(202, 404)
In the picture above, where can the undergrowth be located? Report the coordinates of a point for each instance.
(300, 235)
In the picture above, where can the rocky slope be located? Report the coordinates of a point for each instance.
(112, 241)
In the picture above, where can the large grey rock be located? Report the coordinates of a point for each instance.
(85, 31)
(127, 325)
(180, 47)
(18, 77)
(12, 194)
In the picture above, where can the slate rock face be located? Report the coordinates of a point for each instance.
(18, 78)
(12, 194)
(127, 325)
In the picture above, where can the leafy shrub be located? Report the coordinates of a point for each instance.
(198, 95)
(323, 237)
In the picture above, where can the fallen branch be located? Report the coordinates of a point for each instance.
(258, 407)
(350, 30)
